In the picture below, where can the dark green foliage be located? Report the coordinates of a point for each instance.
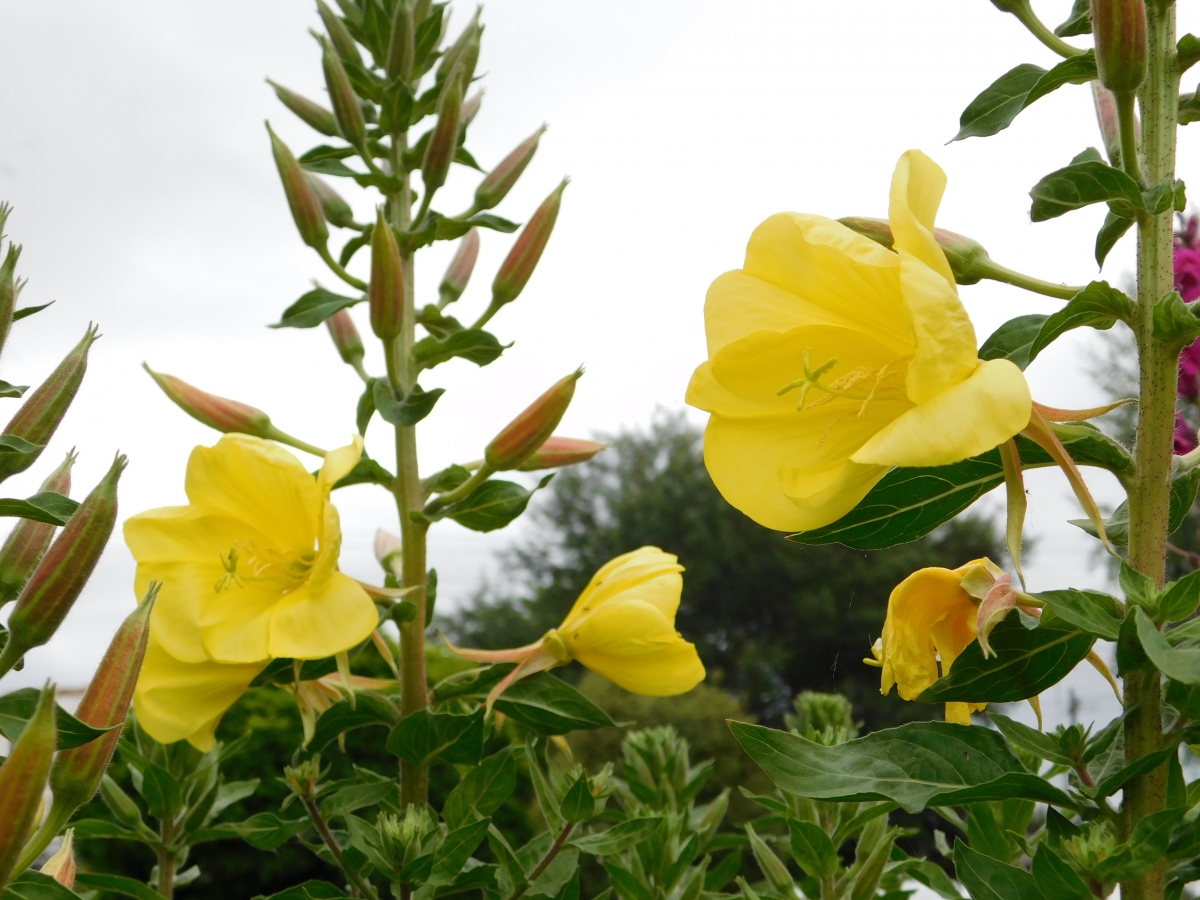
(769, 617)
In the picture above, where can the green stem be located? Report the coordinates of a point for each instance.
(355, 878)
(1127, 119)
(166, 862)
(56, 819)
(492, 309)
(10, 655)
(339, 271)
(1047, 288)
(1039, 30)
(1157, 363)
(555, 849)
(285, 438)
(441, 501)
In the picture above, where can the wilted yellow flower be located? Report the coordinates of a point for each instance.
(832, 359)
(622, 627)
(249, 572)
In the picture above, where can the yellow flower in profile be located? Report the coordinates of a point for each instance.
(249, 572)
(832, 359)
(622, 626)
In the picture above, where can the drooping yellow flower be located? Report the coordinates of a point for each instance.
(622, 626)
(249, 572)
(832, 359)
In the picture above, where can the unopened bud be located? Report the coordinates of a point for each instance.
(469, 59)
(387, 549)
(470, 108)
(22, 780)
(451, 56)
(402, 47)
(61, 866)
(225, 415)
(1119, 27)
(500, 180)
(523, 258)
(59, 578)
(345, 337)
(311, 113)
(10, 287)
(385, 294)
(43, 410)
(339, 34)
(1107, 118)
(27, 542)
(557, 452)
(302, 199)
(443, 142)
(458, 273)
(335, 209)
(346, 108)
(968, 260)
(524, 435)
(76, 774)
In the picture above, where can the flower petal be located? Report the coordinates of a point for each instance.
(338, 464)
(235, 622)
(320, 619)
(969, 419)
(646, 568)
(917, 187)
(928, 613)
(945, 354)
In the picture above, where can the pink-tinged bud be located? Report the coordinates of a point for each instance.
(61, 866)
(59, 578)
(968, 260)
(1107, 119)
(443, 142)
(339, 34)
(500, 180)
(451, 56)
(524, 435)
(470, 108)
(43, 410)
(469, 59)
(523, 258)
(1119, 27)
(387, 548)
(458, 273)
(22, 780)
(27, 542)
(225, 415)
(312, 114)
(76, 773)
(346, 108)
(557, 452)
(345, 337)
(335, 209)
(302, 199)
(385, 294)
(402, 47)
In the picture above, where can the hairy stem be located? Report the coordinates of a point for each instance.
(166, 861)
(555, 849)
(1036, 285)
(1039, 30)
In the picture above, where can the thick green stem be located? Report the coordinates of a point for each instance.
(166, 862)
(1150, 495)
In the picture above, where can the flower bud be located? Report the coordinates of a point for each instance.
(523, 258)
(969, 261)
(524, 435)
(385, 294)
(557, 452)
(451, 56)
(59, 578)
(1110, 125)
(39, 416)
(1119, 27)
(443, 142)
(61, 866)
(22, 779)
(470, 108)
(458, 273)
(10, 286)
(313, 114)
(346, 108)
(339, 34)
(335, 209)
(27, 542)
(216, 412)
(387, 549)
(402, 47)
(469, 59)
(345, 337)
(76, 773)
(302, 199)
(500, 180)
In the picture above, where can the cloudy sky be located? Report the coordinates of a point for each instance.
(132, 146)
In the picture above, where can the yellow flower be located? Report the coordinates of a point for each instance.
(249, 572)
(622, 626)
(832, 359)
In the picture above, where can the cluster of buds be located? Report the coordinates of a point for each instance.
(10, 285)
(408, 837)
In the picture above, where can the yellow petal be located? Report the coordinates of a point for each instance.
(177, 701)
(320, 619)
(917, 187)
(647, 568)
(235, 623)
(969, 419)
(945, 338)
(338, 464)
(928, 613)
(175, 619)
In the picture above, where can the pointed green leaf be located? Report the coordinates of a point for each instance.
(1092, 611)
(994, 109)
(407, 412)
(1078, 22)
(812, 849)
(492, 505)
(1113, 229)
(1013, 340)
(17, 708)
(548, 706)
(48, 506)
(116, 884)
(1030, 740)
(423, 735)
(472, 344)
(989, 879)
(1180, 663)
(314, 308)
(1082, 184)
(309, 890)
(619, 838)
(1097, 306)
(483, 789)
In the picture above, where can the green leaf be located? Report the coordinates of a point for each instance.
(33, 885)
(1183, 495)
(409, 411)
(12, 390)
(548, 706)
(1013, 340)
(619, 838)
(103, 829)
(439, 325)
(1082, 184)
(1056, 877)
(446, 480)
(454, 851)
(492, 505)
(282, 671)
(47, 506)
(30, 310)
(472, 344)
(352, 246)
(366, 471)
(625, 884)
(1181, 663)
(578, 804)
(1188, 49)
(989, 879)
(359, 796)
(1078, 22)
(448, 229)
(325, 151)
(266, 831)
(994, 109)
(1173, 322)
(1030, 740)
(1137, 587)
(396, 107)
(1092, 611)
(314, 308)
(163, 794)
(365, 409)
(17, 708)
(1027, 662)
(1110, 784)
(1097, 306)
(1113, 229)
(423, 735)
(915, 765)
(1145, 847)
(309, 890)
(368, 709)
(117, 884)
(933, 877)
(812, 849)
(483, 790)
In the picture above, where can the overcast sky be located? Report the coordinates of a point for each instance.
(132, 146)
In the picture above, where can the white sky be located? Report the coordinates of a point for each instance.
(132, 146)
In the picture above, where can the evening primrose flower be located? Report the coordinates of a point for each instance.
(832, 359)
(622, 626)
(249, 572)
